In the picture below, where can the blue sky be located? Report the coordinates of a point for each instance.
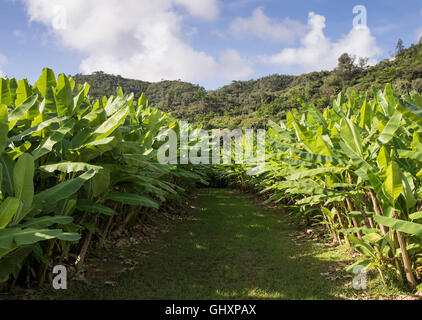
(209, 42)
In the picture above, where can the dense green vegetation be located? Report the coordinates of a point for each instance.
(77, 166)
(73, 169)
(251, 103)
(355, 167)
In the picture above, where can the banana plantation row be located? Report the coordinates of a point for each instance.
(355, 168)
(75, 170)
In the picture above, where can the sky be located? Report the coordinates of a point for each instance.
(206, 42)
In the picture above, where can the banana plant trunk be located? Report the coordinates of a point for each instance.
(405, 256)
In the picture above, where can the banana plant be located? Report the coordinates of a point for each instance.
(359, 161)
(73, 168)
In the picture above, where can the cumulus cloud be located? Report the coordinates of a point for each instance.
(261, 26)
(317, 52)
(233, 64)
(207, 9)
(140, 39)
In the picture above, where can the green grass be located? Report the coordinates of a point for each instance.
(230, 248)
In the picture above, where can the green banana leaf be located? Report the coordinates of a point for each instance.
(132, 199)
(23, 181)
(8, 209)
(401, 225)
(68, 167)
(93, 207)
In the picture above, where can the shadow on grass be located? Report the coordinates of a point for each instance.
(230, 248)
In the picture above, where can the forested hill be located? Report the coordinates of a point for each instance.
(252, 103)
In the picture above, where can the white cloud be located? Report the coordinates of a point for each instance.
(318, 52)
(140, 39)
(3, 61)
(232, 64)
(207, 9)
(263, 27)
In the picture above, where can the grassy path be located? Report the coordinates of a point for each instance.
(231, 248)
